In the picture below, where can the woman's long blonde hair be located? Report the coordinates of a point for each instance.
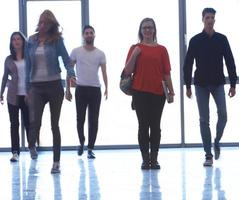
(53, 32)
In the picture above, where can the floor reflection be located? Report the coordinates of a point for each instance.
(29, 191)
(94, 188)
(85, 179)
(57, 186)
(217, 181)
(150, 188)
(92, 180)
(16, 181)
(207, 189)
(82, 184)
(208, 184)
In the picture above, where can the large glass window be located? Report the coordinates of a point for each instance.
(116, 30)
(9, 23)
(118, 122)
(225, 19)
(68, 14)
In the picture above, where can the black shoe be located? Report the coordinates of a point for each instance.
(216, 148)
(208, 162)
(155, 165)
(91, 154)
(33, 153)
(153, 160)
(145, 165)
(55, 168)
(80, 150)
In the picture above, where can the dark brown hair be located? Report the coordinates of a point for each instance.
(11, 47)
(208, 10)
(86, 27)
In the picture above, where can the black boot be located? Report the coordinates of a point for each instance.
(153, 160)
(145, 164)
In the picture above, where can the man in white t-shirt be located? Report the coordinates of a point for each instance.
(88, 59)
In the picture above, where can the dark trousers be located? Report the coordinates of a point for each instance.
(88, 97)
(14, 120)
(40, 94)
(149, 108)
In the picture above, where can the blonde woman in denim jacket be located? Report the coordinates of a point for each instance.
(14, 67)
(44, 81)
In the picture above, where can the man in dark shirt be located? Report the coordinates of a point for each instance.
(208, 48)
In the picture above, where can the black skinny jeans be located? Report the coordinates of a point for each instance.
(13, 111)
(40, 94)
(149, 108)
(88, 97)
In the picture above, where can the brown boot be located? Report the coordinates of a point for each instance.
(153, 160)
(145, 164)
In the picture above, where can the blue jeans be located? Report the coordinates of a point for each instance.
(218, 94)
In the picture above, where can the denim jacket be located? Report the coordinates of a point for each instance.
(52, 52)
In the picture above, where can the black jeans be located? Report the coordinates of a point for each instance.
(40, 94)
(14, 120)
(87, 96)
(149, 108)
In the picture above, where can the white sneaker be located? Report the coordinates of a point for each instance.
(14, 157)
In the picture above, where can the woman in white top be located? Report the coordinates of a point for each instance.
(14, 67)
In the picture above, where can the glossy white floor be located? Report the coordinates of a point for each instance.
(116, 174)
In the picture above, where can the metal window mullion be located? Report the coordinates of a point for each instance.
(182, 50)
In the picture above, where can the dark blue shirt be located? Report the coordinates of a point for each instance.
(208, 53)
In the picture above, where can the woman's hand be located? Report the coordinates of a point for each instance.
(72, 81)
(171, 97)
(68, 95)
(1, 100)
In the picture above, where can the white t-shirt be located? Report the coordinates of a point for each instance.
(41, 74)
(21, 77)
(87, 65)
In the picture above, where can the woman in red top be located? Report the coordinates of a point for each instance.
(150, 65)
